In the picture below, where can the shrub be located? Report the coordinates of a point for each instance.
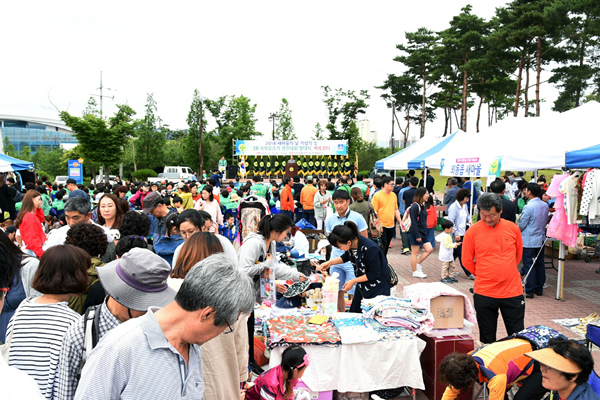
(143, 174)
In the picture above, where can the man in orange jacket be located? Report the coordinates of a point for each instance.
(492, 249)
(286, 199)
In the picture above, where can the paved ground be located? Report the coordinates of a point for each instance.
(581, 294)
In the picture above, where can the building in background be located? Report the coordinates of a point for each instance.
(35, 132)
(366, 134)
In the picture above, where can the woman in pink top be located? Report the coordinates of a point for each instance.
(211, 206)
(29, 222)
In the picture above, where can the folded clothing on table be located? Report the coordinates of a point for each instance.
(354, 330)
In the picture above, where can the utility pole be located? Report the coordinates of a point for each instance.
(274, 117)
(106, 173)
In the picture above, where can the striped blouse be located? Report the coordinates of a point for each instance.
(37, 339)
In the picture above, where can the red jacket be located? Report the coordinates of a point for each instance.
(32, 231)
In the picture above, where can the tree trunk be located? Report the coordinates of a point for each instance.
(581, 58)
(518, 95)
(527, 87)
(133, 151)
(445, 121)
(539, 72)
(489, 119)
(456, 117)
(479, 111)
(106, 173)
(464, 96)
(423, 116)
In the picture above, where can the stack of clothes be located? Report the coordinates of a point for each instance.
(395, 318)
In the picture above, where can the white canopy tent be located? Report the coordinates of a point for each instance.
(399, 161)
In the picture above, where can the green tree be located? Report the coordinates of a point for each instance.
(343, 108)
(318, 133)
(578, 57)
(463, 43)
(285, 128)
(369, 153)
(25, 153)
(45, 160)
(151, 138)
(402, 93)
(235, 120)
(191, 142)
(100, 142)
(420, 60)
(8, 147)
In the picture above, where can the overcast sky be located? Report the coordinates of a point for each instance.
(264, 50)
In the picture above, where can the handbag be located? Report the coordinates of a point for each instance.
(375, 227)
(5, 348)
(393, 276)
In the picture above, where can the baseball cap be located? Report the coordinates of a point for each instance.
(144, 184)
(138, 280)
(150, 201)
(10, 229)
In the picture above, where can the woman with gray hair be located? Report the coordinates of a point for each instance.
(215, 294)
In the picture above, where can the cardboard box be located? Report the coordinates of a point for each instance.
(448, 312)
(301, 387)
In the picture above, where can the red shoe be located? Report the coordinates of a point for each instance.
(390, 246)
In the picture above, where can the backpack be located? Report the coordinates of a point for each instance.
(252, 209)
(91, 333)
(17, 196)
(406, 222)
(375, 227)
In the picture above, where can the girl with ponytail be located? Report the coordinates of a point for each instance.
(165, 246)
(278, 383)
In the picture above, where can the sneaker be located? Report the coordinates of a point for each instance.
(405, 251)
(471, 277)
(446, 280)
(456, 274)
(419, 274)
(390, 246)
(454, 280)
(419, 267)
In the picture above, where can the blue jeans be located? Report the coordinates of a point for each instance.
(537, 276)
(309, 216)
(289, 214)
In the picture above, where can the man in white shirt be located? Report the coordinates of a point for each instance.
(77, 209)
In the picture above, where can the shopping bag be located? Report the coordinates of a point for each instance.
(304, 224)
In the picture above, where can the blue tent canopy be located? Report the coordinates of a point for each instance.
(419, 162)
(8, 164)
(584, 158)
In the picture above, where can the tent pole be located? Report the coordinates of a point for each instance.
(561, 272)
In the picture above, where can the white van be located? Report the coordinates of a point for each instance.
(173, 174)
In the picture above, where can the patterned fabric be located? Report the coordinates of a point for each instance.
(296, 329)
(355, 330)
(296, 288)
(537, 335)
(390, 334)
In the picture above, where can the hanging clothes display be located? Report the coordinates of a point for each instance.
(559, 227)
(590, 200)
(569, 188)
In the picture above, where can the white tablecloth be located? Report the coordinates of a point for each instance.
(362, 367)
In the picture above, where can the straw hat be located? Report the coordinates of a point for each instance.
(556, 361)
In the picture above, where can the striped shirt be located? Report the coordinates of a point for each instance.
(136, 361)
(72, 352)
(38, 333)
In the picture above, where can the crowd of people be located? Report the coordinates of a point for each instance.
(106, 284)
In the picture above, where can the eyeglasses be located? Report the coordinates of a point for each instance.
(228, 327)
(4, 291)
